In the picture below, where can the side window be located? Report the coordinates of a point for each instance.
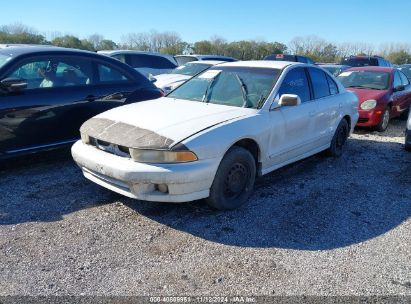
(54, 72)
(110, 74)
(319, 82)
(296, 83)
(404, 79)
(397, 80)
(332, 85)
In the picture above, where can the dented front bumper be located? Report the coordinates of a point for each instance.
(151, 182)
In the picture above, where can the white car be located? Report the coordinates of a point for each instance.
(170, 81)
(214, 134)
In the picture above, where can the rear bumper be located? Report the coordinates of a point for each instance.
(185, 182)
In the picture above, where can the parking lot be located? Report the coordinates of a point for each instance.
(322, 226)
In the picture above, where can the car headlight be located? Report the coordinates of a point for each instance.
(368, 104)
(162, 156)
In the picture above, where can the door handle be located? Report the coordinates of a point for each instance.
(312, 113)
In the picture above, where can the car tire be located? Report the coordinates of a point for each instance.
(234, 180)
(339, 139)
(385, 119)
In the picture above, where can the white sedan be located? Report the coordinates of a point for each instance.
(214, 134)
(179, 75)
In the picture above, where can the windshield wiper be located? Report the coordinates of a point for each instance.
(359, 87)
(243, 90)
(208, 88)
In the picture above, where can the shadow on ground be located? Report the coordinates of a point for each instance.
(316, 204)
(44, 187)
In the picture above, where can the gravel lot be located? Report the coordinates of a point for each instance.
(319, 227)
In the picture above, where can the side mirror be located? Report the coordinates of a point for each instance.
(13, 84)
(401, 87)
(289, 100)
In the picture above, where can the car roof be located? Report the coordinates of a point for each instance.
(261, 64)
(117, 52)
(22, 50)
(372, 68)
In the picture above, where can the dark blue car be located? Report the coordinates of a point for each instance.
(46, 93)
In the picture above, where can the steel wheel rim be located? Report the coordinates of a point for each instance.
(236, 180)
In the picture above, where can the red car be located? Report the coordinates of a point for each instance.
(383, 92)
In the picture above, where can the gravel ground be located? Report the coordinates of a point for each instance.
(321, 226)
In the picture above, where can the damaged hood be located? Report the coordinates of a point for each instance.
(160, 123)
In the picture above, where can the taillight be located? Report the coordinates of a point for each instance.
(162, 93)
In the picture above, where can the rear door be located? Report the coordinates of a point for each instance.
(325, 90)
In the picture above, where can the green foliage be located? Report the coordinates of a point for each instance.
(24, 37)
(70, 41)
(399, 57)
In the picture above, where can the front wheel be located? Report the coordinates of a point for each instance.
(385, 119)
(339, 139)
(234, 180)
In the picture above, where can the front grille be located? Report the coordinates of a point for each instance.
(110, 148)
(362, 120)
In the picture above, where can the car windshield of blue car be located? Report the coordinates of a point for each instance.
(4, 59)
(190, 69)
(234, 86)
(365, 79)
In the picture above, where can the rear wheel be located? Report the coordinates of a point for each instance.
(385, 119)
(339, 139)
(234, 180)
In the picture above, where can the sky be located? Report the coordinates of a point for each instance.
(374, 22)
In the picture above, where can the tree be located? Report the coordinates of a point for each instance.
(19, 33)
(67, 41)
(399, 57)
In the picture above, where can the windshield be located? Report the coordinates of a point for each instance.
(406, 71)
(4, 59)
(190, 69)
(234, 86)
(365, 79)
(184, 59)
